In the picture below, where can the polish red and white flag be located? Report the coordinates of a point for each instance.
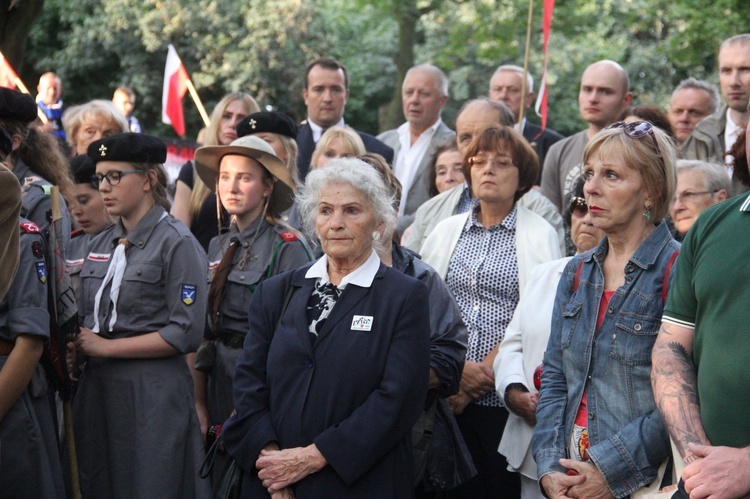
(8, 77)
(175, 87)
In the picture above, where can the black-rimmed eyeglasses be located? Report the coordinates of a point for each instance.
(113, 177)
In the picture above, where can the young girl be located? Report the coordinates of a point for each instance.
(144, 297)
(254, 186)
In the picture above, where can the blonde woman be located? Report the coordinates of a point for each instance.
(337, 142)
(194, 204)
(92, 121)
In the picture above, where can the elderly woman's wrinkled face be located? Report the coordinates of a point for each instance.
(344, 223)
(448, 172)
(92, 129)
(615, 193)
(494, 176)
(582, 231)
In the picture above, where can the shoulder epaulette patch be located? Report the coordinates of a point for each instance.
(30, 228)
(288, 236)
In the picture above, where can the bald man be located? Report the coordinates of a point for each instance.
(604, 94)
(474, 117)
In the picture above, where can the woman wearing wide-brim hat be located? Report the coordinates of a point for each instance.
(254, 186)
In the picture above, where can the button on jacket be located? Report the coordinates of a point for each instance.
(627, 436)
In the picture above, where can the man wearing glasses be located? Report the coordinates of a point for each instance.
(700, 184)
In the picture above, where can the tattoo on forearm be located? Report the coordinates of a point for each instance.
(676, 392)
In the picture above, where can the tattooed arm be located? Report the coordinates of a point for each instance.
(675, 386)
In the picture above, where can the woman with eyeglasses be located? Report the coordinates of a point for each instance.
(598, 431)
(486, 256)
(700, 184)
(518, 363)
(144, 300)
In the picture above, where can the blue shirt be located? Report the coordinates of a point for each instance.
(627, 436)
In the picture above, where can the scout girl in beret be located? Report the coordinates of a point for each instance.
(144, 296)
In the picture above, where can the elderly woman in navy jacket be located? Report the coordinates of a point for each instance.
(335, 365)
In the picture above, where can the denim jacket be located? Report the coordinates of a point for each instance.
(627, 436)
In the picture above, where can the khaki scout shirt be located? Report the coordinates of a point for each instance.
(164, 285)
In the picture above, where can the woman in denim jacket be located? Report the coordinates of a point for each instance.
(598, 432)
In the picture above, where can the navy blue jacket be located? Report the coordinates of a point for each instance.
(306, 146)
(355, 394)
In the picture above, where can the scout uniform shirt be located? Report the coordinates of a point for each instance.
(275, 250)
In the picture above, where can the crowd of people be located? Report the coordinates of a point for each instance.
(312, 311)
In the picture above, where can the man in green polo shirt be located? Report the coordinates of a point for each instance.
(701, 358)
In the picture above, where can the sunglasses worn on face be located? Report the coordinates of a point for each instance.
(578, 207)
(637, 130)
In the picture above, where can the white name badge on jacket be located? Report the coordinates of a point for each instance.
(362, 323)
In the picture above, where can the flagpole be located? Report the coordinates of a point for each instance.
(524, 91)
(197, 100)
(25, 90)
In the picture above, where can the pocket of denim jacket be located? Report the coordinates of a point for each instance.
(571, 315)
(633, 339)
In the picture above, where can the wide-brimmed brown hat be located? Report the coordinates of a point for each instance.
(208, 158)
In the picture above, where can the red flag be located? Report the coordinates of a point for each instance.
(8, 77)
(541, 100)
(175, 86)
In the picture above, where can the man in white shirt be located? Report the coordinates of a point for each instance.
(716, 134)
(424, 95)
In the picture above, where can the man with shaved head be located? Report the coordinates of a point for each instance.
(474, 117)
(604, 94)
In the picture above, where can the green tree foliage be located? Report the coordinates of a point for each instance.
(262, 46)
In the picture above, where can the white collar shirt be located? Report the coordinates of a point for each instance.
(410, 156)
(731, 132)
(362, 276)
(317, 130)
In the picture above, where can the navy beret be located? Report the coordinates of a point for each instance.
(17, 106)
(6, 143)
(82, 169)
(128, 147)
(263, 121)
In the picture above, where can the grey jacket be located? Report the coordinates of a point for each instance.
(419, 192)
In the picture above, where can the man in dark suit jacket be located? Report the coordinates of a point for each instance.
(505, 86)
(325, 93)
(424, 95)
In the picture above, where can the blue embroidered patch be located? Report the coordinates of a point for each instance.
(41, 272)
(188, 294)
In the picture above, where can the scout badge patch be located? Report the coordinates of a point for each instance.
(41, 272)
(188, 294)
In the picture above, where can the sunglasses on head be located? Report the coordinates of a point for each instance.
(637, 130)
(578, 207)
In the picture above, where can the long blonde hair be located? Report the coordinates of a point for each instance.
(200, 192)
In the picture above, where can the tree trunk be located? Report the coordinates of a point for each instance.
(16, 19)
(407, 14)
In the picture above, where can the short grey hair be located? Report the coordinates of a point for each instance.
(507, 118)
(710, 88)
(715, 175)
(510, 68)
(441, 81)
(361, 176)
(743, 39)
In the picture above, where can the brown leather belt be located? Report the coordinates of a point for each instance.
(6, 347)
